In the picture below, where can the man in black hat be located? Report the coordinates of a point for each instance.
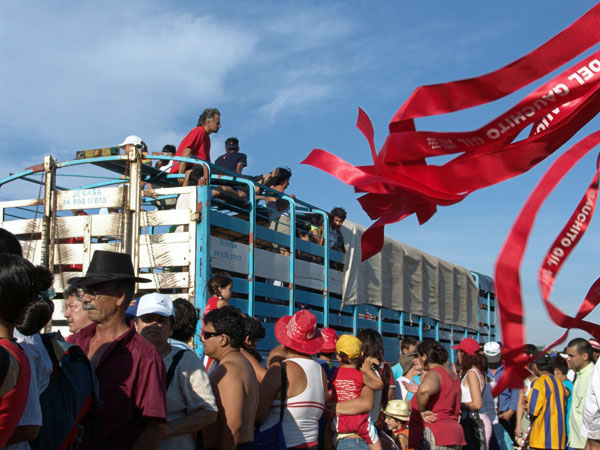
(232, 159)
(131, 374)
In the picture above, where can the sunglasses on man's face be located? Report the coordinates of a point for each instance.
(209, 334)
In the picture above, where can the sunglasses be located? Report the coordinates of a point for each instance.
(209, 334)
(86, 290)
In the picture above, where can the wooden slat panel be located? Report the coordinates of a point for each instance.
(166, 217)
(165, 238)
(32, 250)
(23, 226)
(105, 224)
(165, 255)
(20, 203)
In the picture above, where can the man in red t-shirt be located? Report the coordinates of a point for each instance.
(197, 142)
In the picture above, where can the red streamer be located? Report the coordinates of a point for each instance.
(508, 285)
(401, 183)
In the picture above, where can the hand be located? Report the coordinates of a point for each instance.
(428, 416)
(410, 387)
(518, 430)
(506, 415)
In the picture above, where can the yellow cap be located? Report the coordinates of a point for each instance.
(348, 344)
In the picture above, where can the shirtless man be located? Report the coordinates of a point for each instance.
(233, 381)
(131, 374)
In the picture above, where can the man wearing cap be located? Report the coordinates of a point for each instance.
(546, 406)
(131, 374)
(407, 345)
(233, 381)
(232, 159)
(508, 399)
(197, 142)
(579, 358)
(191, 404)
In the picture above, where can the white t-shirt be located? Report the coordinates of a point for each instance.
(41, 367)
(190, 390)
(591, 407)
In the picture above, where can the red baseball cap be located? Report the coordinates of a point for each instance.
(468, 345)
(299, 332)
(330, 337)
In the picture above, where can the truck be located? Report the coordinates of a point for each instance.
(105, 199)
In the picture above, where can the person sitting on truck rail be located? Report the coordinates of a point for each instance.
(197, 142)
(232, 160)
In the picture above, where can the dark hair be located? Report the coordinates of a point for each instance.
(407, 342)
(20, 286)
(70, 290)
(338, 212)
(543, 361)
(186, 319)
(467, 361)
(9, 243)
(372, 345)
(434, 351)
(228, 320)
(169, 148)
(218, 281)
(282, 174)
(530, 349)
(560, 363)
(253, 329)
(582, 347)
(196, 174)
(208, 113)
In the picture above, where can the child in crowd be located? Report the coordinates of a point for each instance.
(347, 383)
(397, 415)
(219, 287)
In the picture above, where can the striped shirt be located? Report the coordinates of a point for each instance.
(546, 403)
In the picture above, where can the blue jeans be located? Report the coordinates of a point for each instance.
(352, 444)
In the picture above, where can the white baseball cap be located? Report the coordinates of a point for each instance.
(155, 303)
(133, 139)
(492, 351)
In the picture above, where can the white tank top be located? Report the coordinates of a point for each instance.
(302, 413)
(487, 401)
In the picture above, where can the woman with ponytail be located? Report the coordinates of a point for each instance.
(22, 306)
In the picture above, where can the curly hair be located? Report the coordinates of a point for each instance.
(253, 329)
(9, 243)
(468, 361)
(434, 351)
(228, 320)
(208, 113)
(21, 284)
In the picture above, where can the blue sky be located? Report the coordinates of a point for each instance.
(288, 77)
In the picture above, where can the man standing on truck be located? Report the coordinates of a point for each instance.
(197, 142)
(131, 374)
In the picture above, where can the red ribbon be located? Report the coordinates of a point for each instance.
(400, 183)
(508, 287)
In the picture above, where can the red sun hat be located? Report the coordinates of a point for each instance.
(299, 332)
(330, 337)
(468, 345)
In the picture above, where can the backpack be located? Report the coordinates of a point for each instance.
(69, 402)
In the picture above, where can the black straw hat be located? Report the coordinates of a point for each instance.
(108, 266)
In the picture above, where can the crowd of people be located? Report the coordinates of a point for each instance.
(148, 389)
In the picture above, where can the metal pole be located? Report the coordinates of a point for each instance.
(47, 236)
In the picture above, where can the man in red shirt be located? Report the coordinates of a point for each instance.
(197, 142)
(131, 374)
